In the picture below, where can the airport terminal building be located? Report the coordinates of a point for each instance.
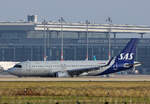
(21, 41)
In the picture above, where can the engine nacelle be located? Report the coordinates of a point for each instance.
(84, 74)
(62, 74)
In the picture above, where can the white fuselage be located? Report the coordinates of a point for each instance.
(48, 68)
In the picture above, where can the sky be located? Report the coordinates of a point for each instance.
(133, 12)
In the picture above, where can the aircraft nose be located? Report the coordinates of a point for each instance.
(11, 70)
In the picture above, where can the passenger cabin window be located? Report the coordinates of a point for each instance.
(17, 66)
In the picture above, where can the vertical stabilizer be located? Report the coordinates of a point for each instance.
(123, 61)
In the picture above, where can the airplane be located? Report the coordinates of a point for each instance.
(123, 61)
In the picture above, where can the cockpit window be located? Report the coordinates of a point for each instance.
(17, 66)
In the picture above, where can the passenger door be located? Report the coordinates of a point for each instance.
(28, 68)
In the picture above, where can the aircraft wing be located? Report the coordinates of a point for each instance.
(82, 70)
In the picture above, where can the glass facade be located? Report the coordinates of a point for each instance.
(29, 45)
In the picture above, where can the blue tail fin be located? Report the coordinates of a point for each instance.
(127, 55)
(124, 61)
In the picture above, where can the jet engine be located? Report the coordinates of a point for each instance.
(62, 74)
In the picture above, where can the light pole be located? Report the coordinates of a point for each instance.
(109, 31)
(45, 36)
(87, 39)
(62, 43)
